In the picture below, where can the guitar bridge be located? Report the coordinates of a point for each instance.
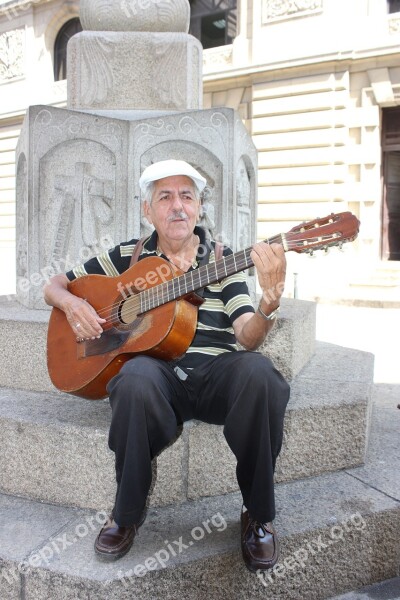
(109, 340)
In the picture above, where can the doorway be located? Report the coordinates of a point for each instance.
(390, 247)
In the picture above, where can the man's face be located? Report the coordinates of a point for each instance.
(174, 209)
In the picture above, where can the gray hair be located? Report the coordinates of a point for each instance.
(147, 191)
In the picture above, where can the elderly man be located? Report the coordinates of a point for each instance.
(213, 382)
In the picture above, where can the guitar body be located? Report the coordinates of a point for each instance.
(84, 368)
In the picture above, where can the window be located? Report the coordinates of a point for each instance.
(213, 22)
(60, 47)
(393, 6)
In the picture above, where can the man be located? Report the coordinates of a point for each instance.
(213, 382)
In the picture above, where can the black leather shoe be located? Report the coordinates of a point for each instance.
(113, 542)
(260, 546)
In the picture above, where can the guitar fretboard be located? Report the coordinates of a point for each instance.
(198, 278)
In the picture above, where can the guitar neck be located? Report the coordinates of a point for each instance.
(199, 278)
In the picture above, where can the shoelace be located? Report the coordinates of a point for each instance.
(257, 525)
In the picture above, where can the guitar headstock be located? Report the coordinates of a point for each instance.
(333, 230)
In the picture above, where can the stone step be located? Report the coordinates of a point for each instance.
(23, 363)
(336, 534)
(385, 590)
(54, 446)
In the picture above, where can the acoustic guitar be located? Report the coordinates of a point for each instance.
(152, 309)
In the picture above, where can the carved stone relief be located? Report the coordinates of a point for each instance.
(48, 130)
(207, 212)
(394, 25)
(243, 188)
(22, 220)
(99, 77)
(135, 15)
(77, 191)
(215, 58)
(209, 129)
(281, 9)
(12, 54)
(243, 195)
(166, 55)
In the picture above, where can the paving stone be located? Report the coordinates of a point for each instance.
(385, 590)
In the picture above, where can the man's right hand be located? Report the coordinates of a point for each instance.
(82, 317)
(84, 320)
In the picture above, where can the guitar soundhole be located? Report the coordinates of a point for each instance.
(128, 310)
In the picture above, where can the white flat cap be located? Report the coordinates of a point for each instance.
(169, 168)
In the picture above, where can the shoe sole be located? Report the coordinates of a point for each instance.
(259, 568)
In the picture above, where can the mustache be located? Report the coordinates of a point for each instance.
(178, 215)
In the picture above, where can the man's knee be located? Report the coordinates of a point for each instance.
(137, 373)
(256, 368)
(140, 366)
(264, 382)
(136, 382)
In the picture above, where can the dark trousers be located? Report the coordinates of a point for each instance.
(240, 390)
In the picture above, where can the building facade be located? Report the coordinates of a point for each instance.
(317, 84)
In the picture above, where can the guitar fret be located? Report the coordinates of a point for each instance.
(205, 275)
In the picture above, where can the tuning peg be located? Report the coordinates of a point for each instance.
(326, 249)
(340, 246)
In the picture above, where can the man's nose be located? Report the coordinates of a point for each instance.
(177, 202)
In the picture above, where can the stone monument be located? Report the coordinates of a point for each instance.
(77, 193)
(134, 97)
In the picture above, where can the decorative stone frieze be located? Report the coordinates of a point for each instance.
(12, 55)
(394, 25)
(283, 9)
(217, 58)
(135, 15)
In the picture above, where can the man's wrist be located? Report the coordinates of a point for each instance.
(270, 315)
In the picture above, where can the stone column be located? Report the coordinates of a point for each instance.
(134, 56)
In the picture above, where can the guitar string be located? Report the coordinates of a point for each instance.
(202, 269)
(152, 299)
(151, 293)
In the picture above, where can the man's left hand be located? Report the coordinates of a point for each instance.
(270, 263)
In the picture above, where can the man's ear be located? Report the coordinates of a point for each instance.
(146, 211)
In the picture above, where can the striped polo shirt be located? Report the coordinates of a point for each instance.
(223, 302)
